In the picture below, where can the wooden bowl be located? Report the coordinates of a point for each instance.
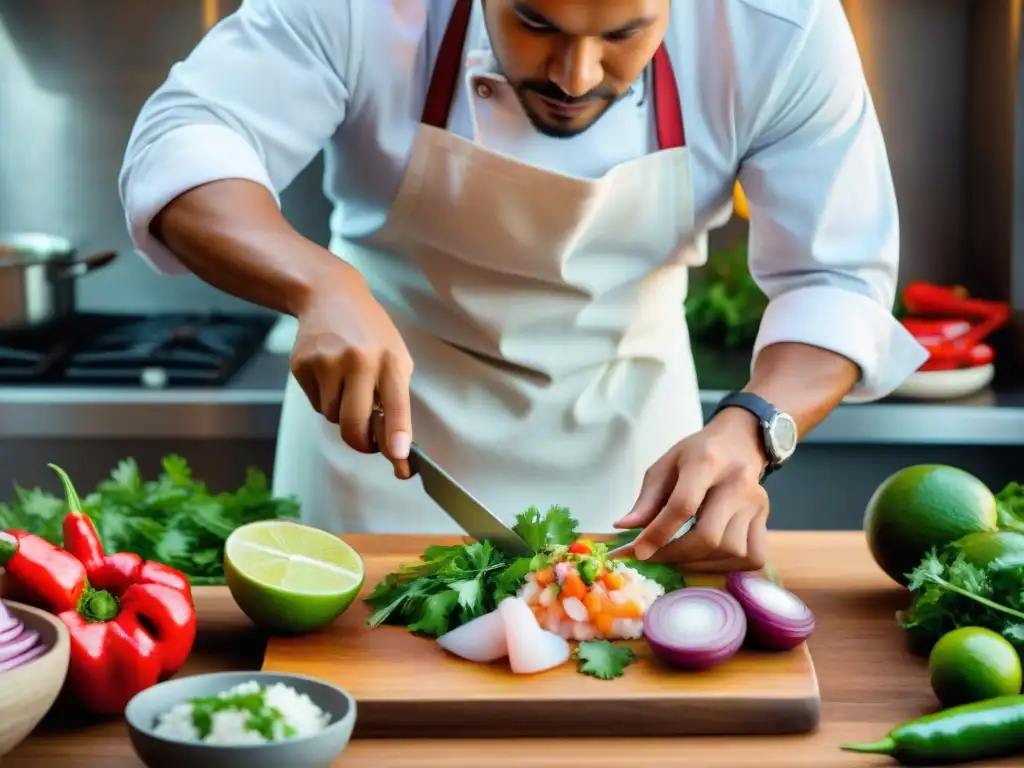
(28, 692)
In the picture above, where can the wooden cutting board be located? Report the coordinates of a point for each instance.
(407, 686)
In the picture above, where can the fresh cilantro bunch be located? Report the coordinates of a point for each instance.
(174, 519)
(450, 586)
(1010, 507)
(950, 592)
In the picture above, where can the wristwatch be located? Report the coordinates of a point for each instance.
(778, 430)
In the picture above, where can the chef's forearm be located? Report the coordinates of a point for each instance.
(804, 381)
(232, 235)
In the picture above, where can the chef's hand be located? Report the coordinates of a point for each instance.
(348, 358)
(713, 474)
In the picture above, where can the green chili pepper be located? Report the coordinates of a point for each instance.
(984, 729)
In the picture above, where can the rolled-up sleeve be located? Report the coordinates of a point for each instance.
(824, 225)
(257, 99)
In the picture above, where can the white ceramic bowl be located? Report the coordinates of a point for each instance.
(317, 751)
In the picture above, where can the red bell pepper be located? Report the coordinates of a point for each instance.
(40, 574)
(116, 572)
(120, 645)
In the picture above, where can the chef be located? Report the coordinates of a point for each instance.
(520, 189)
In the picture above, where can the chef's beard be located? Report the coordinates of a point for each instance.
(567, 128)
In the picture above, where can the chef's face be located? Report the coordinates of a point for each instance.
(569, 60)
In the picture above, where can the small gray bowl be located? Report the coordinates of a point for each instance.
(317, 751)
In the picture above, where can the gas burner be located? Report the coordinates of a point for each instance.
(136, 350)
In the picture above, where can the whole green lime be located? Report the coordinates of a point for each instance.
(983, 549)
(924, 506)
(972, 664)
(290, 578)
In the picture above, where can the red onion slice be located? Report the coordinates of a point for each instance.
(24, 658)
(6, 619)
(695, 627)
(776, 618)
(11, 632)
(18, 645)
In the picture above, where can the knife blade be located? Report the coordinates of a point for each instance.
(472, 516)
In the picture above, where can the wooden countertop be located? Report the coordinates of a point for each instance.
(869, 683)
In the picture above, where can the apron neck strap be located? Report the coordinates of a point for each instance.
(445, 79)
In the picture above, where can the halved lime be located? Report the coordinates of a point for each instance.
(291, 578)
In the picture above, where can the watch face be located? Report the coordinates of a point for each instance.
(783, 435)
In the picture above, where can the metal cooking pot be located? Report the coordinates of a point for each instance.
(37, 279)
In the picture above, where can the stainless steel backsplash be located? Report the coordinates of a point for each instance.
(73, 74)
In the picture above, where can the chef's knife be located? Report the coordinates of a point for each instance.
(472, 516)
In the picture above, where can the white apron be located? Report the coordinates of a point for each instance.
(544, 315)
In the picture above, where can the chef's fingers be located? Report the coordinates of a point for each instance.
(654, 491)
(356, 407)
(691, 486)
(331, 386)
(307, 380)
(701, 541)
(754, 560)
(393, 386)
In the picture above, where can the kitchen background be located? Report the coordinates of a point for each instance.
(73, 74)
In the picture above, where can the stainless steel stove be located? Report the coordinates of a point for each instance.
(161, 350)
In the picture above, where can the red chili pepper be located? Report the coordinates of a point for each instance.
(927, 299)
(116, 572)
(122, 647)
(579, 548)
(41, 574)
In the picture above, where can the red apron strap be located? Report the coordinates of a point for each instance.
(445, 79)
(447, 68)
(668, 109)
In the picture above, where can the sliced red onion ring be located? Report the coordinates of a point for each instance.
(18, 645)
(11, 632)
(695, 627)
(776, 618)
(33, 652)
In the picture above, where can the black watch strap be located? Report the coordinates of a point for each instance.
(748, 401)
(762, 410)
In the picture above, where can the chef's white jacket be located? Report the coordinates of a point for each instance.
(773, 93)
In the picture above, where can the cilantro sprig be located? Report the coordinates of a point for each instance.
(603, 659)
(951, 592)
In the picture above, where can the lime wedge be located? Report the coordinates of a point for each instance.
(291, 578)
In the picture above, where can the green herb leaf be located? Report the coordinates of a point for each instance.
(435, 618)
(666, 575)
(173, 519)
(1010, 507)
(554, 528)
(949, 592)
(603, 659)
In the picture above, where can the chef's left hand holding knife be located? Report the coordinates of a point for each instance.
(716, 474)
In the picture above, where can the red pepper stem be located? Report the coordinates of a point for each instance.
(98, 605)
(8, 547)
(74, 502)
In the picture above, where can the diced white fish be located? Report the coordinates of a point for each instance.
(482, 639)
(575, 609)
(531, 648)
